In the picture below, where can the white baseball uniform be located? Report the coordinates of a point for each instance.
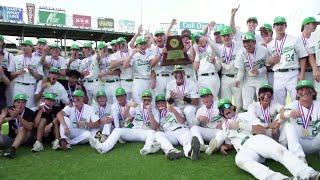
(91, 81)
(25, 83)
(60, 63)
(305, 41)
(173, 132)
(188, 69)
(314, 48)
(206, 132)
(72, 117)
(112, 82)
(57, 89)
(8, 58)
(117, 113)
(302, 136)
(238, 34)
(75, 65)
(141, 131)
(208, 73)
(126, 75)
(287, 70)
(189, 89)
(102, 112)
(253, 150)
(245, 62)
(142, 73)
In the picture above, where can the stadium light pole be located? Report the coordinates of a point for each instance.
(141, 11)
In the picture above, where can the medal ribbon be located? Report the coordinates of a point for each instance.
(79, 113)
(88, 63)
(163, 113)
(303, 40)
(226, 57)
(55, 63)
(202, 49)
(305, 121)
(183, 88)
(122, 55)
(101, 111)
(279, 49)
(251, 61)
(120, 110)
(145, 116)
(17, 123)
(210, 112)
(265, 113)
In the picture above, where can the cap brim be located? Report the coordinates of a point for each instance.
(299, 87)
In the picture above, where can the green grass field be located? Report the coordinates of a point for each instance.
(123, 162)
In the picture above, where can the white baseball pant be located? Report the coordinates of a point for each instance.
(250, 88)
(189, 112)
(127, 86)
(92, 88)
(206, 134)
(138, 86)
(212, 82)
(161, 83)
(229, 89)
(28, 90)
(283, 82)
(110, 89)
(270, 75)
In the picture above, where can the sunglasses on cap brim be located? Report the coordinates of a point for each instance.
(226, 106)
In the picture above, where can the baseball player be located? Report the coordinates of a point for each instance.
(110, 77)
(103, 110)
(46, 123)
(206, 65)
(207, 124)
(250, 62)
(266, 110)
(309, 25)
(54, 60)
(51, 85)
(25, 70)
(117, 60)
(114, 45)
(174, 131)
(314, 59)
(252, 23)
(4, 81)
(74, 61)
(188, 48)
(118, 108)
(139, 60)
(89, 68)
(287, 56)
(253, 150)
(227, 53)
(5, 64)
(267, 33)
(184, 93)
(76, 122)
(20, 119)
(144, 120)
(302, 133)
(39, 48)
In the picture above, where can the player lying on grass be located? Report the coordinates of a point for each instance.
(144, 120)
(253, 150)
(302, 133)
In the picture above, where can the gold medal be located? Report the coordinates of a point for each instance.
(305, 132)
(250, 73)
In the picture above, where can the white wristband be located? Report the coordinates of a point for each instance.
(245, 126)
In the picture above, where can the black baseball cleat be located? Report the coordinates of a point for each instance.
(174, 154)
(195, 148)
(10, 153)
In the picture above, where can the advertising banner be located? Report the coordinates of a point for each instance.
(52, 17)
(81, 21)
(105, 23)
(11, 13)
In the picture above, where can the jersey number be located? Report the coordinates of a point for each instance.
(289, 57)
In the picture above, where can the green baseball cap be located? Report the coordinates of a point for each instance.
(178, 68)
(49, 96)
(121, 39)
(120, 91)
(265, 86)
(78, 93)
(102, 45)
(305, 83)
(87, 45)
(158, 32)
(113, 42)
(223, 101)
(54, 70)
(160, 97)
(1, 38)
(309, 20)
(252, 18)
(279, 19)
(248, 36)
(55, 45)
(146, 94)
(226, 30)
(266, 27)
(75, 46)
(141, 40)
(20, 96)
(101, 93)
(42, 40)
(27, 42)
(205, 91)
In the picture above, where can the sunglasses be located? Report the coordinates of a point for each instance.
(227, 106)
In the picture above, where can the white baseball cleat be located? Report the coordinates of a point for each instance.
(122, 141)
(155, 147)
(37, 146)
(174, 154)
(213, 145)
(100, 149)
(94, 142)
(55, 145)
(203, 147)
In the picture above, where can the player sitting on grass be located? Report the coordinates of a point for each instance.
(172, 123)
(302, 133)
(103, 110)
(207, 124)
(20, 120)
(252, 149)
(46, 123)
(76, 122)
(143, 120)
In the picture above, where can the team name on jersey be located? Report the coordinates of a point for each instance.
(215, 119)
(233, 57)
(20, 66)
(259, 63)
(138, 117)
(314, 126)
(169, 119)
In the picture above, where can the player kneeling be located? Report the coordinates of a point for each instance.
(45, 121)
(252, 149)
